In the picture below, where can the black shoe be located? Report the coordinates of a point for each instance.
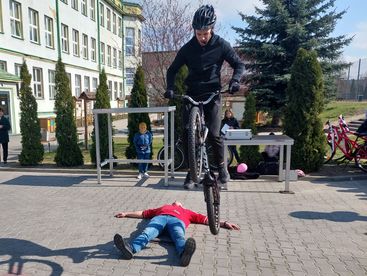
(5, 162)
(189, 250)
(223, 175)
(123, 246)
(188, 184)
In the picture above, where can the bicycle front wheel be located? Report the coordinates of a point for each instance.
(179, 158)
(211, 194)
(195, 149)
(330, 152)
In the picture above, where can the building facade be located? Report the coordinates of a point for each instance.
(88, 35)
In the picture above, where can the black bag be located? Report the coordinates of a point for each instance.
(242, 176)
(268, 168)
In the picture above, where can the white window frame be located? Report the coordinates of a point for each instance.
(86, 83)
(101, 14)
(93, 49)
(84, 7)
(114, 18)
(3, 65)
(78, 85)
(92, 10)
(109, 53)
(130, 41)
(103, 53)
(65, 38)
(74, 4)
(120, 26)
(94, 84)
(37, 83)
(16, 22)
(76, 44)
(33, 17)
(85, 46)
(108, 17)
(129, 76)
(49, 32)
(51, 84)
(120, 90)
(114, 60)
(110, 89)
(115, 90)
(17, 68)
(1, 18)
(120, 59)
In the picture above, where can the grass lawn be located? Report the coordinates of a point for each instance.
(333, 109)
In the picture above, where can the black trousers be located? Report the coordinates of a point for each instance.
(213, 117)
(5, 151)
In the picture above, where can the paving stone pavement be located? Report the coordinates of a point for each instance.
(63, 224)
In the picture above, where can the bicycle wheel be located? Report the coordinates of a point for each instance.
(360, 157)
(179, 157)
(195, 149)
(212, 199)
(330, 152)
(211, 157)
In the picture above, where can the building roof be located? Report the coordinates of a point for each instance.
(7, 77)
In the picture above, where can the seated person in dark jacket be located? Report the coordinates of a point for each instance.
(232, 123)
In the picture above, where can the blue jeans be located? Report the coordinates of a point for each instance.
(175, 227)
(143, 167)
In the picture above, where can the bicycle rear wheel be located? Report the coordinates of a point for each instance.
(179, 158)
(195, 149)
(212, 199)
(360, 157)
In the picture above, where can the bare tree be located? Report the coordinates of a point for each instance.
(166, 28)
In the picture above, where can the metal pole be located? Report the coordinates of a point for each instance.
(85, 125)
(166, 149)
(110, 143)
(172, 142)
(98, 155)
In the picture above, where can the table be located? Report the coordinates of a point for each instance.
(278, 140)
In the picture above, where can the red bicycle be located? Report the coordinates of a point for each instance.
(339, 137)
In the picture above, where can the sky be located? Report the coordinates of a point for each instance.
(353, 23)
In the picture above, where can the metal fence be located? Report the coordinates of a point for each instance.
(352, 84)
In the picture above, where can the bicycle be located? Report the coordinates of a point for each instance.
(338, 138)
(179, 161)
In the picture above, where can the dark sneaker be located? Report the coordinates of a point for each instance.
(123, 246)
(188, 184)
(189, 250)
(223, 175)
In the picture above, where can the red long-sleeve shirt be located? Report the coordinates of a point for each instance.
(186, 215)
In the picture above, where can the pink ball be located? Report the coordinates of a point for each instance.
(241, 168)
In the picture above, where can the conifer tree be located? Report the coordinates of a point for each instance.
(68, 152)
(138, 99)
(250, 154)
(102, 101)
(32, 148)
(305, 101)
(271, 40)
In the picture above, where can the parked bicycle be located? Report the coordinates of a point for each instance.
(340, 137)
(180, 158)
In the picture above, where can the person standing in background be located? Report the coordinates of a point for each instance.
(143, 141)
(231, 123)
(4, 134)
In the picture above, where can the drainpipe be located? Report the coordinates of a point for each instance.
(58, 29)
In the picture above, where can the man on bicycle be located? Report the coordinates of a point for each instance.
(204, 55)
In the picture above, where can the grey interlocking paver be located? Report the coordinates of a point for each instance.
(55, 223)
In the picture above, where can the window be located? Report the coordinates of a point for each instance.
(94, 84)
(85, 46)
(108, 11)
(49, 32)
(37, 83)
(17, 67)
(110, 89)
(120, 94)
(101, 14)
(86, 83)
(16, 19)
(129, 76)
(51, 84)
(120, 59)
(33, 26)
(3, 65)
(75, 43)
(115, 92)
(92, 9)
(69, 78)
(114, 23)
(114, 58)
(74, 4)
(120, 27)
(108, 55)
(65, 38)
(78, 85)
(139, 42)
(129, 41)
(103, 53)
(93, 49)
(84, 8)
(1, 19)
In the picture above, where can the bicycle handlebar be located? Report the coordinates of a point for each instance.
(192, 101)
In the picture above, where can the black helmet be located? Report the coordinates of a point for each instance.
(204, 18)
